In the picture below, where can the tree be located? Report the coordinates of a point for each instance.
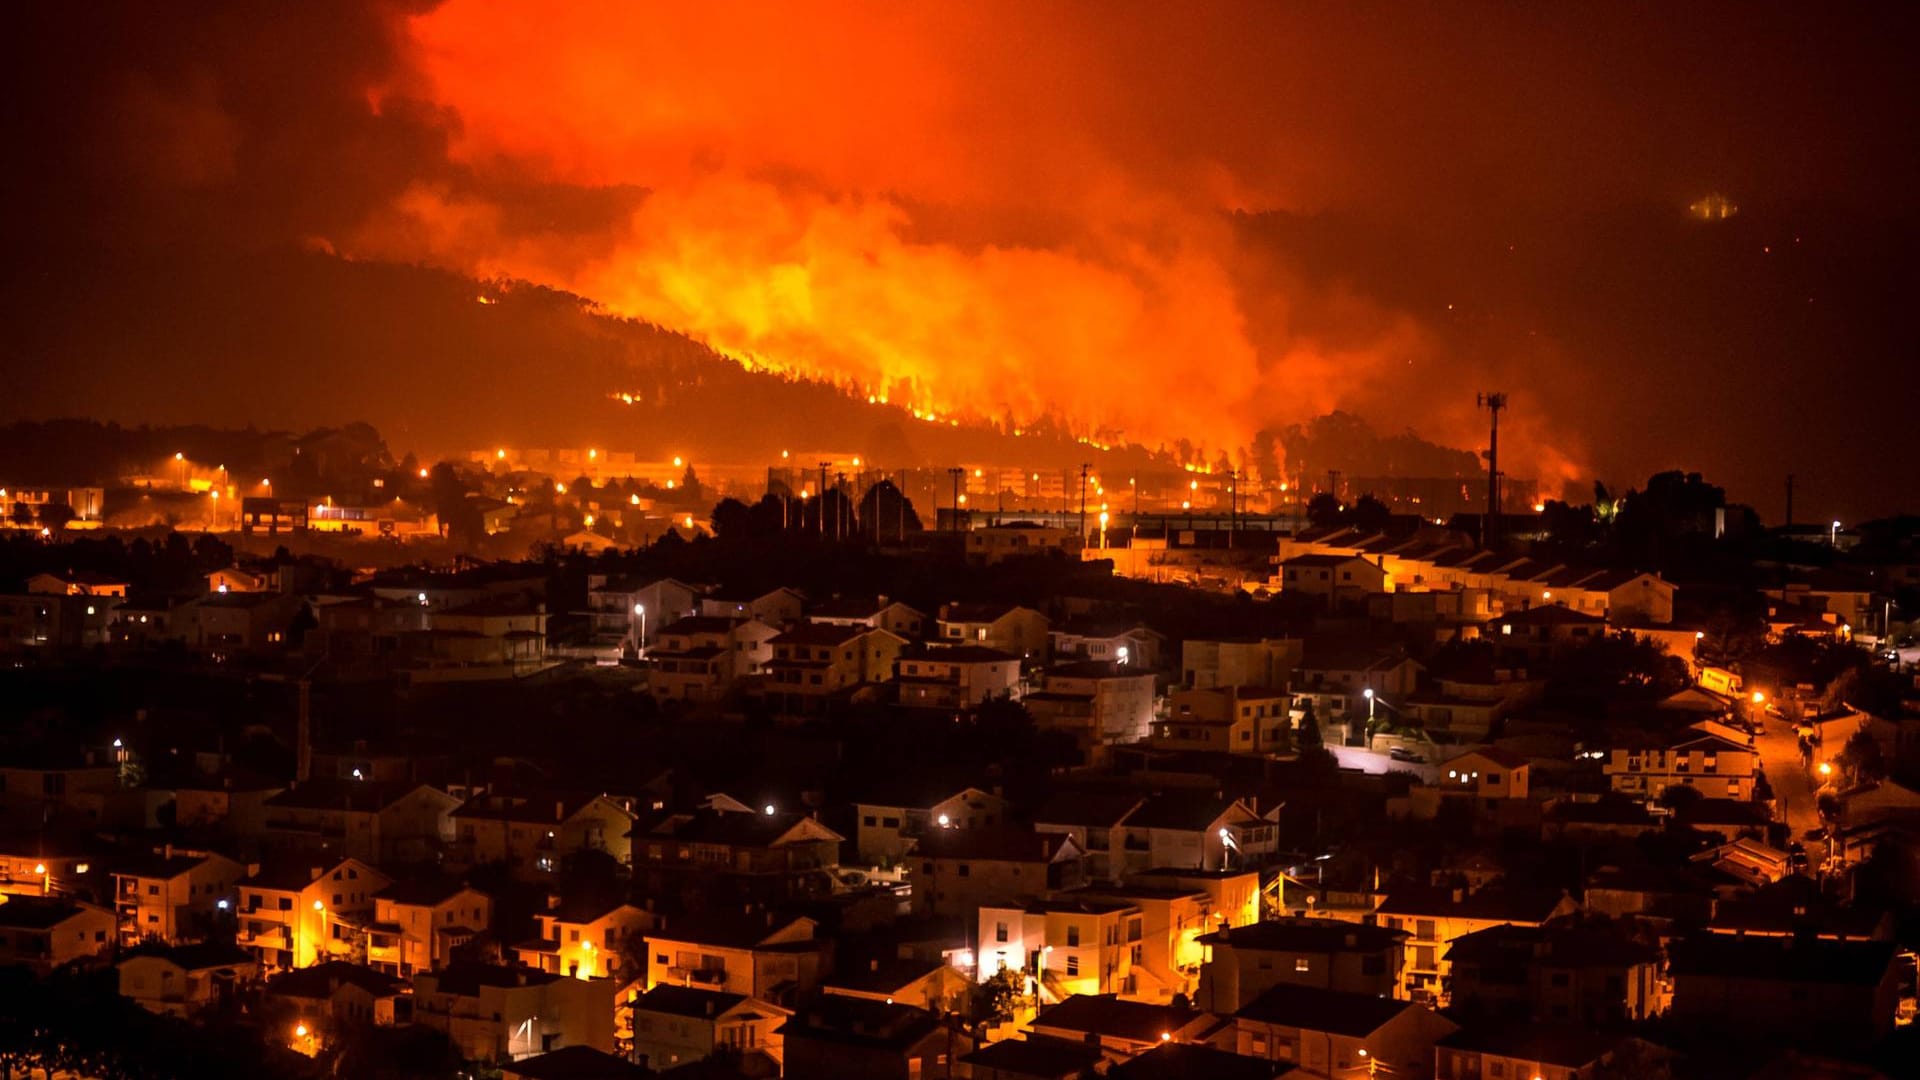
(768, 517)
(56, 515)
(1861, 758)
(1370, 513)
(731, 519)
(886, 512)
(22, 514)
(1324, 509)
(1677, 797)
(1003, 995)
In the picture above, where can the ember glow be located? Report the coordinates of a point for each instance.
(904, 206)
(1185, 229)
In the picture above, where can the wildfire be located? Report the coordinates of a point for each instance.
(898, 206)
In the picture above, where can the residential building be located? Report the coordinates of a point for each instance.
(1436, 917)
(1333, 581)
(702, 658)
(1121, 1029)
(223, 624)
(893, 816)
(181, 980)
(1227, 720)
(1335, 1033)
(1534, 635)
(765, 856)
(533, 832)
(1164, 950)
(1241, 963)
(678, 1025)
(752, 953)
(1019, 540)
(1018, 631)
(43, 933)
(1210, 664)
(615, 606)
(779, 608)
(334, 996)
(844, 1038)
(506, 1014)
(958, 870)
(879, 613)
(934, 985)
(172, 895)
(1548, 1051)
(1095, 821)
(1115, 641)
(418, 924)
(37, 621)
(364, 819)
(1192, 831)
(1036, 1057)
(575, 1063)
(1072, 945)
(48, 783)
(1589, 974)
(296, 914)
(1178, 1061)
(588, 939)
(1487, 775)
(958, 676)
(1646, 766)
(1099, 703)
(1843, 991)
(814, 663)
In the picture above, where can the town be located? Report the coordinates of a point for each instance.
(566, 763)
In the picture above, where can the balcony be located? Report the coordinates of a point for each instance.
(264, 935)
(698, 976)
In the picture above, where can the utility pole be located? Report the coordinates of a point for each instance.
(1085, 468)
(821, 494)
(956, 473)
(1233, 505)
(1492, 401)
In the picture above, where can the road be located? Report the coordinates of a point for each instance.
(1793, 789)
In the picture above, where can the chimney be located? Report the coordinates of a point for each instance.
(1459, 895)
(559, 810)
(709, 1006)
(873, 965)
(166, 852)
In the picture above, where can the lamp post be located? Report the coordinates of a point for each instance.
(1833, 535)
(640, 612)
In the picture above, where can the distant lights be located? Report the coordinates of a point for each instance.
(769, 809)
(678, 461)
(178, 456)
(633, 500)
(423, 474)
(500, 455)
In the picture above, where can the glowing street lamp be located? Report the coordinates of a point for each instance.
(1833, 536)
(640, 612)
(1826, 770)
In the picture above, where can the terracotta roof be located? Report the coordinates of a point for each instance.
(1335, 1011)
(1105, 1014)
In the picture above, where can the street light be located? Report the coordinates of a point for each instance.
(640, 610)
(1368, 694)
(1833, 536)
(1826, 769)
